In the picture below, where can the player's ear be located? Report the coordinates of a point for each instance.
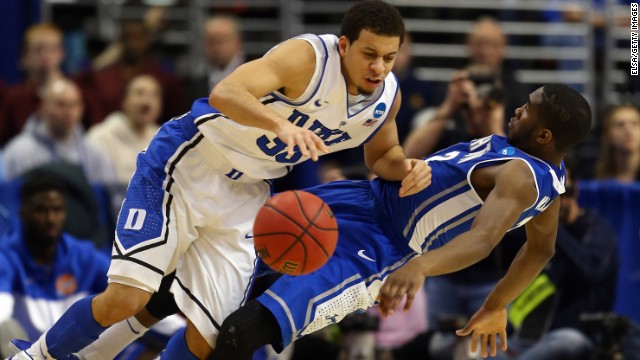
(343, 45)
(545, 136)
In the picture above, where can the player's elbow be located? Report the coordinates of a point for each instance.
(216, 95)
(221, 94)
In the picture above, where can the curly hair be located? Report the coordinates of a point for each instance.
(374, 15)
(567, 114)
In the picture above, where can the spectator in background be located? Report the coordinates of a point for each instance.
(107, 85)
(125, 133)
(55, 134)
(223, 52)
(472, 93)
(620, 146)
(44, 270)
(41, 60)
(416, 94)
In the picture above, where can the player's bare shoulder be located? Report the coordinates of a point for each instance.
(295, 62)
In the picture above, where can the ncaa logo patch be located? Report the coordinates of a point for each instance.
(508, 151)
(379, 110)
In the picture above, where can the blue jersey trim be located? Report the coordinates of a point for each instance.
(324, 67)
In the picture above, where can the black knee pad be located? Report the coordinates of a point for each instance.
(246, 330)
(162, 303)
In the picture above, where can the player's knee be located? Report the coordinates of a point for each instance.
(117, 303)
(236, 333)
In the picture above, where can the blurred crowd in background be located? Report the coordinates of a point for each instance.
(75, 111)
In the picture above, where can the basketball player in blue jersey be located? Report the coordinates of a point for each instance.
(198, 186)
(388, 244)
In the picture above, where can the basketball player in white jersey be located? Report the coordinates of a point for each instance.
(191, 202)
(388, 244)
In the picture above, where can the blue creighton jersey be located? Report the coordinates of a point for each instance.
(36, 295)
(449, 205)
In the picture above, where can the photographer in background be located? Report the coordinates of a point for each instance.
(469, 111)
(472, 95)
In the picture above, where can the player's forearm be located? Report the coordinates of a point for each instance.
(237, 103)
(526, 266)
(463, 251)
(391, 165)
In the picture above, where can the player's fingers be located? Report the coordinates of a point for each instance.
(503, 340)
(466, 330)
(483, 345)
(302, 144)
(320, 145)
(474, 342)
(311, 145)
(492, 344)
(410, 296)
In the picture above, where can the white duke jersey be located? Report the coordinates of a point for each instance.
(323, 108)
(449, 205)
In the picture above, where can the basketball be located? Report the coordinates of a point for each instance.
(295, 233)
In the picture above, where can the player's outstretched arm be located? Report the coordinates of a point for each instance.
(490, 320)
(513, 192)
(384, 156)
(287, 68)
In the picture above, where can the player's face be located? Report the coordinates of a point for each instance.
(367, 61)
(43, 216)
(523, 125)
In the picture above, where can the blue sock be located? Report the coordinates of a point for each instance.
(76, 329)
(177, 348)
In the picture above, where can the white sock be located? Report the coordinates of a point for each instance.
(113, 340)
(38, 349)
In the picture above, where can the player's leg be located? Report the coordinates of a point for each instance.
(245, 331)
(120, 335)
(213, 278)
(297, 306)
(85, 320)
(186, 344)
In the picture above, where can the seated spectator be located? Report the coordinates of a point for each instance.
(41, 61)
(620, 147)
(223, 52)
(55, 134)
(107, 85)
(44, 270)
(125, 133)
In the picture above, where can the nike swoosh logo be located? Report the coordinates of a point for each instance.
(247, 236)
(132, 329)
(362, 255)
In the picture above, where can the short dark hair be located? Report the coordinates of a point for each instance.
(41, 181)
(374, 15)
(567, 114)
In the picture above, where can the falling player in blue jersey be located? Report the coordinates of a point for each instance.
(198, 186)
(389, 244)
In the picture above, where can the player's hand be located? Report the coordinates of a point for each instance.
(486, 326)
(407, 280)
(307, 141)
(417, 179)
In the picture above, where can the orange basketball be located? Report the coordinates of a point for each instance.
(295, 233)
